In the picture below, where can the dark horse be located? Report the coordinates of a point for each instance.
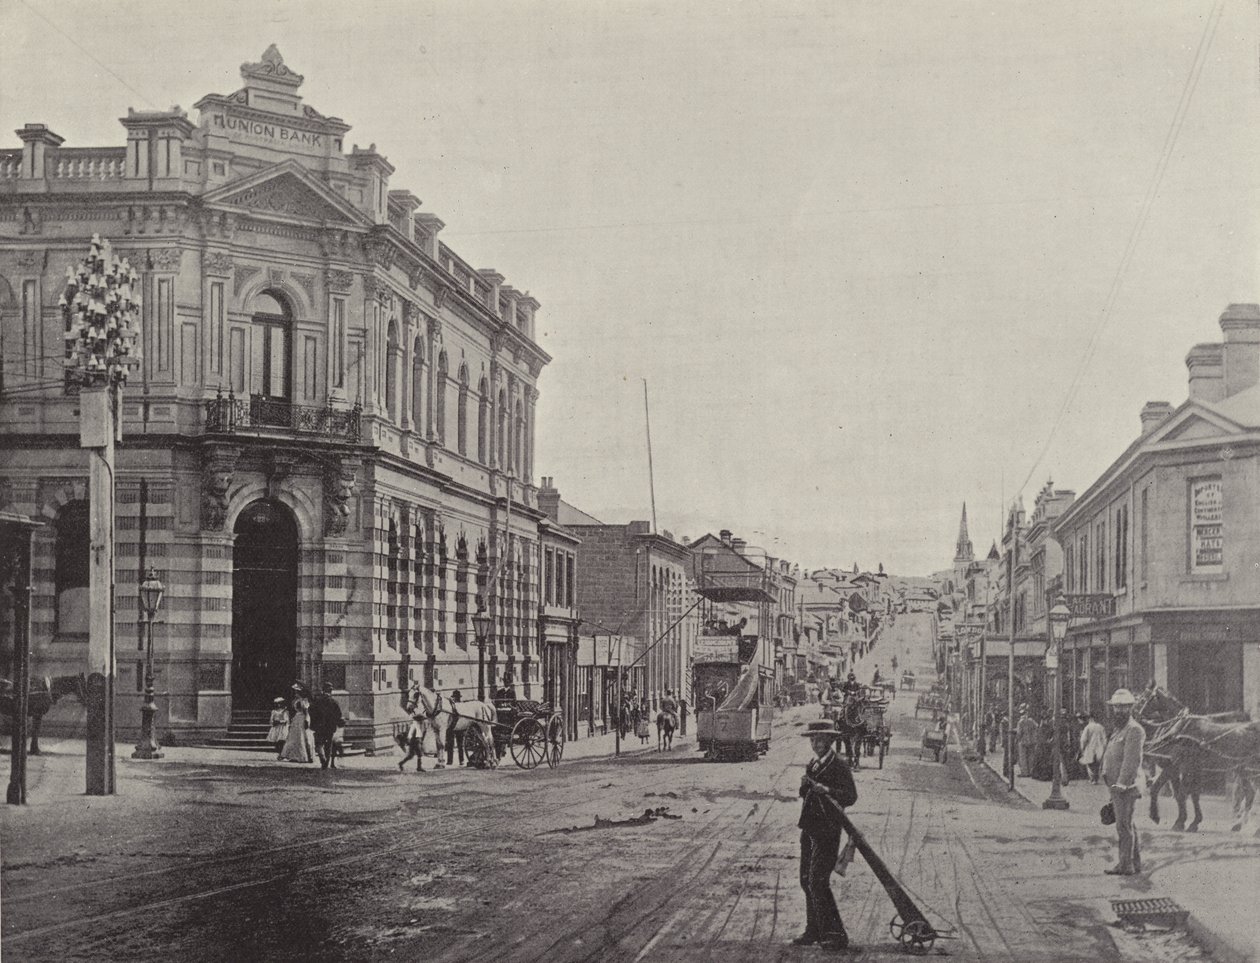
(1176, 743)
(666, 723)
(850, 720)
(43, 695)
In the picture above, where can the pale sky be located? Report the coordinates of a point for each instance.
(857, 249)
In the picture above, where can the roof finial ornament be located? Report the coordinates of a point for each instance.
(272, 67)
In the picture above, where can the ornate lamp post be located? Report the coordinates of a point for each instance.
(1058, 618)
(151, 590)
(483, 625)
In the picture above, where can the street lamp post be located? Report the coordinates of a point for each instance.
(151, 590)
(1058, 618)
(483, 624)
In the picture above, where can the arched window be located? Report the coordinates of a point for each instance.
(439, 415)
(501, 431)
(461, 413)
(70, 576)
(483, 416)
(270, 370)
(393, 369)
(417, 386)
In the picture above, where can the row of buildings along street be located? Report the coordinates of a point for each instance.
(1159, 558)
(328, 449)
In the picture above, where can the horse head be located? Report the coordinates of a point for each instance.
(1154, 705)
(421, 699)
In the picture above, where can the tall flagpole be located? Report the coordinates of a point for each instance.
(647, 420)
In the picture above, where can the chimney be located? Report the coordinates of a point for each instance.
(1206, 364)
(738, 545)
(1154, 414)
(1241, 325)
(725, 536)
(549, 498)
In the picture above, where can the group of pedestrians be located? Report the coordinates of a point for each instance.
(1077, 754)
(295, 720)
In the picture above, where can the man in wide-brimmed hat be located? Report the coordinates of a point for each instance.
(1122, 761)
(827, 783)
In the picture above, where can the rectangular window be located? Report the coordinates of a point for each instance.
(568, 582)
(1207, 535)
(1069, 573)
(1084, 563)
(32, 331)
(549, 575)
(216, 327)
(165, 322)
(1145, 532)
(338, 345)
(1100, 553)
(1122, 547)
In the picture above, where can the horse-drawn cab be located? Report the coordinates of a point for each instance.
(907, 680)
(531, 731)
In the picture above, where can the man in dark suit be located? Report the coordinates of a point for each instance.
(454, 740)
(325, 720)
(827, 783)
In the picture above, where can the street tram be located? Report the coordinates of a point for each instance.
(733, 691)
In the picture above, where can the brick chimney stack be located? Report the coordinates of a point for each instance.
(1154, 414)
(1241, 326)
(549, 498)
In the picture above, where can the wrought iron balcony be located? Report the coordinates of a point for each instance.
(228, 414)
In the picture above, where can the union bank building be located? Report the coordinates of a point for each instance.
(327, 450)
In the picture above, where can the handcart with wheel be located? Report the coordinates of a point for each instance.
(909, 927)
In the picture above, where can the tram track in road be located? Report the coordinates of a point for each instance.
(450, 792)
(539, 943)
(316, 861)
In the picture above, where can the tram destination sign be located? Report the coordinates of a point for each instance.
(715, 648)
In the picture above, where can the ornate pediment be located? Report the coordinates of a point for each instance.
(287, 196)
(288, 190)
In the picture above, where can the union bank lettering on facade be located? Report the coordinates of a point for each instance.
(277, 132)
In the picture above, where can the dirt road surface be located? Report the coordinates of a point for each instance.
(212, 862)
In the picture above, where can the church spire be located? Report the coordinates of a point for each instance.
(963, 551)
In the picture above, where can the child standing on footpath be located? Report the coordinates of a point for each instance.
(279, 730)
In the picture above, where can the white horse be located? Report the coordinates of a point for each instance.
(442, 714)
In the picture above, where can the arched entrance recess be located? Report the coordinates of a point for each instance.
(264, 605)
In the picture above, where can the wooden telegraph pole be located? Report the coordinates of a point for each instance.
(101, 315)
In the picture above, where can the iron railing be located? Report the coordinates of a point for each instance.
(227, 414)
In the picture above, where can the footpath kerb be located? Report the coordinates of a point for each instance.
(1222, 902)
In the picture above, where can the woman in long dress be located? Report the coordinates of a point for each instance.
(296, 747)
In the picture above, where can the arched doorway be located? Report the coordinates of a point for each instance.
(264, 605)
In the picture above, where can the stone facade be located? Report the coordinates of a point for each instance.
(310, 344)
(1170, 534)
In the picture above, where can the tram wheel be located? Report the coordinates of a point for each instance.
(895, 927)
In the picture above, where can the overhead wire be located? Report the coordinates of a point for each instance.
(1135, 234)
